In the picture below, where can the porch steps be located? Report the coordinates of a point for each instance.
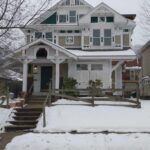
(27, 117)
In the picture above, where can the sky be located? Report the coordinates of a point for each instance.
(123, 7)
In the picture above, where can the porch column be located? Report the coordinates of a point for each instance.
(57, 76)
(25, 73)
(118, 78)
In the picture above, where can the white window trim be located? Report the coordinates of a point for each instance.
(70, 43)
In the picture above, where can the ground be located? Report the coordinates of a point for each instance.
(72, 126)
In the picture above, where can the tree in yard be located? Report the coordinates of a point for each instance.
(143, 20)
(16, 14)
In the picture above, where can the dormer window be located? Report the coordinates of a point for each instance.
(94, 19)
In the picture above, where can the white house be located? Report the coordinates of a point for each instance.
(74, 39)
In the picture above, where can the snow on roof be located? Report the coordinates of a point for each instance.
(134, 68)
(122, 54)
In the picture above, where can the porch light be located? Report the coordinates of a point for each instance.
(35, 69)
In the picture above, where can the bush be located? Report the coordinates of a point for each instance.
(95, 87)
(70, 84)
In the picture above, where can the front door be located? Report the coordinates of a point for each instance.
(46, 77)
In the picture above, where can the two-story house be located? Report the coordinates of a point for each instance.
(74, 39)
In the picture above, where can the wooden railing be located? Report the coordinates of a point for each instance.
(61, 93)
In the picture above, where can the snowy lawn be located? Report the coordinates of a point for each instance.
(66, 118)
(4, 115)
(42, 141)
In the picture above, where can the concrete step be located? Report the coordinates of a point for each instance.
(26, 117)
(24, 122)
(28, 109)
(29, 113)
(19, 127)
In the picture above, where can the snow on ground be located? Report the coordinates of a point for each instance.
(4, 115)
(66, 118)
(32, 141)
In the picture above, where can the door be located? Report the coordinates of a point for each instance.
(46, 77)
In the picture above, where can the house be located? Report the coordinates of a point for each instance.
(75, 39)
(145, 54)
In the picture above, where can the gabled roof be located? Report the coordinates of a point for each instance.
(102, 4)
(46, 42)
(52, 10)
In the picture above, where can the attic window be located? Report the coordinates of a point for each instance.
(94, 19)
(41, 53)
(110, 19)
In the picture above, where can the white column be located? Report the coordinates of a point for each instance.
(57, 76)
(25, 73)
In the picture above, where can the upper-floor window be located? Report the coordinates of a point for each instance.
(62, 18)
(38, 35)
(107, 37)
(67, 2)
(49, 36)
(96, 37)
(96, 19)
(72, 16)
(110, 19)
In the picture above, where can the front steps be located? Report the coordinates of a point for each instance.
(27, 117)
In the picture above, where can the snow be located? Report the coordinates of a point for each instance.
(4, 115)
(84, 118)
(108, 54)
(32, 141)
(134, 68)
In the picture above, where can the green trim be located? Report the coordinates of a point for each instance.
(51, 20)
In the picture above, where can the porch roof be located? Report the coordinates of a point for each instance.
(103, 54)
(46, 42)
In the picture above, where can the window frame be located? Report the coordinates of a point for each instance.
(72, 16)
(107, 37)
(108, 19)
(39, 36)
(49, 38)
(69, 43)
(62, 21)
(95, 68)
(97, 37)
(79, 68)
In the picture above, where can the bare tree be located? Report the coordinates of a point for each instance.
(143, 19)
(16, 14)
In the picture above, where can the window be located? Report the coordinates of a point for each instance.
(72, 16)
(38, 35)
(125, 30)
(96, 67)
(94, 19)
(110, 19)
(101, 19)
(49, 36)
(82, 67)
(77, 2)
(69, 40)
(62, 31)
(41, 53)
(67, 2)
(107, 37)
(96, 37)
(62, 18)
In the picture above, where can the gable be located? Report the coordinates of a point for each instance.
(51, 20)
(103, 10)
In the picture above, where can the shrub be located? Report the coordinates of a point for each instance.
(70, 84)
(95, 87)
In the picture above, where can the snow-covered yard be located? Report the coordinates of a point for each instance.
(4, 115)
(42, 141)
(66, 118)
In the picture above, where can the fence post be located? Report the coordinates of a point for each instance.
(7, 96)
(44, 117)
(138, 96)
